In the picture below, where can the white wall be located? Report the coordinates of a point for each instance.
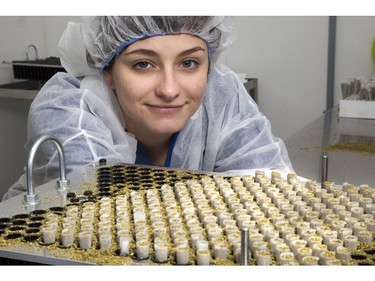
(287, 54)
(13, 157)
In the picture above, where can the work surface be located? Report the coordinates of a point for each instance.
(323, 136)
(132, 215)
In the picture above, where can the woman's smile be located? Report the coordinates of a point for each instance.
(165, 109)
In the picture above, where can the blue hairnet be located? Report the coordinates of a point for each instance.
(106, 36)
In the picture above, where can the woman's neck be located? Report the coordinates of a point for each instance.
(156, 146)
(158, 150)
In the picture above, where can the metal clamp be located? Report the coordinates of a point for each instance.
(30, 198)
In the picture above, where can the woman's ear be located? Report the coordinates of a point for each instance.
(109, 79)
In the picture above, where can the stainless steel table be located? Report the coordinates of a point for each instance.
(49, 197)
(306, 149)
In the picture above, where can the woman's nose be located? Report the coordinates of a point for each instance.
(168, 86)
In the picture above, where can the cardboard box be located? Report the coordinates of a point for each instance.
(357, 109)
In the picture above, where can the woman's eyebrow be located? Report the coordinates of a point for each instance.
(149, 52)
(141, 52)
(192, 50)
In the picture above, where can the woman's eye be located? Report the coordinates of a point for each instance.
(142, 64)
(189, 63)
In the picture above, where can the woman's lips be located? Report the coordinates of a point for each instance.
(165, 109)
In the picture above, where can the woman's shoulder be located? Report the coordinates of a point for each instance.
(223, 81)
(62, 80)
(223, 86)
(223, 72)
(58, 86)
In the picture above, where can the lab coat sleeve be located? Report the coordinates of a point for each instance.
(246, 140)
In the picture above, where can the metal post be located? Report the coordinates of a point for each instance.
(324, 176)
(331, 62)
(244, 246)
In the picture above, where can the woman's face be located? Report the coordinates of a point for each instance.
(160, 83)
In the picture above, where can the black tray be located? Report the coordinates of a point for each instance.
(41, 69)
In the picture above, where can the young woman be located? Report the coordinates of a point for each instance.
(153, 95)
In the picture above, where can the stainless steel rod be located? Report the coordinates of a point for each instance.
(324, 176)
(331, 62)
(244, 246)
